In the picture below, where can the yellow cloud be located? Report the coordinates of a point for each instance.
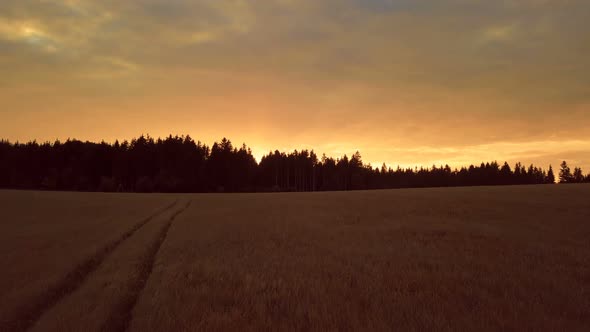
(499, 33)
(29, 33)
(18, 30)
(202, 37)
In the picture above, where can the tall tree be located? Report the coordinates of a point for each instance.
(565, 174)
(578, 176)
(550, 176)
(505, 174)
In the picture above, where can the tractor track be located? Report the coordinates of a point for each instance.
(29, 315)
(122, 315)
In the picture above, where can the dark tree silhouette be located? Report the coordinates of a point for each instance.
(179, 164)
(505, 174)
(578, 176)
(550, 176)
(565, 174)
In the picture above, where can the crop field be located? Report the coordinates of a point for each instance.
(482, 258)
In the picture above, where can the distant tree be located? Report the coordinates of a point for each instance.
(520, 174)
(578, 176)
(565, 174)
(505, 174)
(550, 176)
(356, 161)
(219, 165)
(531, 174)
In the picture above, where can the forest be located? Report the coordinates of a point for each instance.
(181, 164)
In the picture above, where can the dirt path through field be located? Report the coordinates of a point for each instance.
(29, 315)
(105, 300)
(122, 315)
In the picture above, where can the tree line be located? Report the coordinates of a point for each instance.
(179, 164)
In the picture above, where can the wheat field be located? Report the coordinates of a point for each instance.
(488, 258)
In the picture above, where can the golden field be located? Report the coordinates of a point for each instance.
(482, 258)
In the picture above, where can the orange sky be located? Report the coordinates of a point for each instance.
(408, 82)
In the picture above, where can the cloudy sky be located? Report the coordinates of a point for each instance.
(408, 82)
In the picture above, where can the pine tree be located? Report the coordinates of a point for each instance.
(550, 176)
(578, 176)
(565, 174)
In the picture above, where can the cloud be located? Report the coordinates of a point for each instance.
(28, 33)
(498, 33)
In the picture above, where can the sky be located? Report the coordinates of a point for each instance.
(405, 82)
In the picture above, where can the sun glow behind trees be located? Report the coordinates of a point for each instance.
(179, 164)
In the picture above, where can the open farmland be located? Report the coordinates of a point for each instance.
(485, 258)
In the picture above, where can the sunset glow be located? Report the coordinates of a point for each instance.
(404, 82)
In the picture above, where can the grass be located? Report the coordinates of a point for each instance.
(487, 258)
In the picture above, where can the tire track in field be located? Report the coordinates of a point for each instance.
(122, 315)
(72, 281)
